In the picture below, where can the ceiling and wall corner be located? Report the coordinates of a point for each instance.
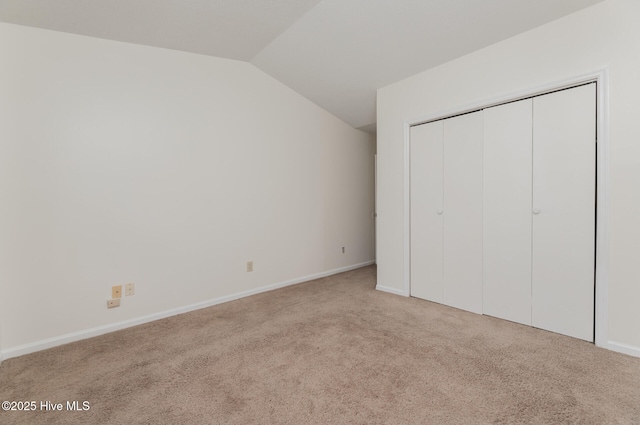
(336, 53)
(229, 29)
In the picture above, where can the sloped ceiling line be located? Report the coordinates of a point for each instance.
(336, 53)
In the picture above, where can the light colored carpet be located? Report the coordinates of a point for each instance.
(329, 351)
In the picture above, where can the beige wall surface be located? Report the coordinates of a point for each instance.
(123, 163)
(604, 36)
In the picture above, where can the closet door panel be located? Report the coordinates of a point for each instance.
(564, 211)
(507, 211)
(463, 212)
(426, 171)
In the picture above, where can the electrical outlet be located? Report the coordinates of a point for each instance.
(116, 291)
(343, 250)
(130, 289)
(113, 303)
(249, 266)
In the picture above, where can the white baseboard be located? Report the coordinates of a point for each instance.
(623, 348)
(100, 330)
(390, 290)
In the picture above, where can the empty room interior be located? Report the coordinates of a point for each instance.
(320, 211)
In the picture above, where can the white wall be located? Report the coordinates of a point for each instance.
(604, 35)
(123, 163)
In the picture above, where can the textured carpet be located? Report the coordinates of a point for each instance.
(328, 351)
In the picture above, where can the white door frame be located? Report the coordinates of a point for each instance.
(601, 77)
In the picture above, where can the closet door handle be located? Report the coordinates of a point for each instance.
(440, 212)
(536, 211)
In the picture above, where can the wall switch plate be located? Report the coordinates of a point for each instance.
(249, 266)
(130, 289)
(113, 303)
(116, 291)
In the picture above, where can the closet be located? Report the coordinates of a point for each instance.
(503, 211)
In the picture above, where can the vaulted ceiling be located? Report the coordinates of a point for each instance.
(334, 52)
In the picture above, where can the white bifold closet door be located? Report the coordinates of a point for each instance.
(463, 212)
(507, 211)
(503, 211)
(564, 187)
(446, 211)
(426, 174)
(539, 211)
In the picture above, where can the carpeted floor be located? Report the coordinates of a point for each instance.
(329, 351)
